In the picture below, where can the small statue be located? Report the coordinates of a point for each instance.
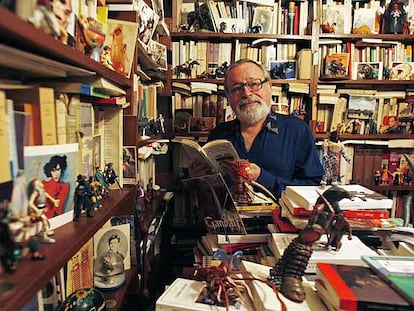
(105, 57)
(332, 150)
(186, 69)
(82, 198)
(96, 197)
(99, 177)
(221, 70)
(288, 271)
(336, 231)
(110, 175)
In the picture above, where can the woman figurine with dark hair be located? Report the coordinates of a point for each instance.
(54, 170)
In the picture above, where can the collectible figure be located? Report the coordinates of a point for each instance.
(395, 17)
(110, 175)
(105, 57)
(91, 40)
(37, 203)
(288, 271)
(186, 69)
(336, 231)
(96, 194)
(332, 150)
(221, 70)
(83, 195)
(99, 177)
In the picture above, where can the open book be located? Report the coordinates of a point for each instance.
(210, 159)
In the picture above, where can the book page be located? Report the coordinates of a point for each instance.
(220, 150)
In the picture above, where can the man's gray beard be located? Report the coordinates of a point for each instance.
(252, 115)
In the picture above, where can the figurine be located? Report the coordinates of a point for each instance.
(186, 69)
(105, 57)
(91, 40)
(332, 150)
(385, 176)
(395, 17)
(37, 203)
(221, 70)
(110, 176)
(99, 177)
(43, 18)
(96, 197)
(288, 271)
(82, 199)
(336, 231)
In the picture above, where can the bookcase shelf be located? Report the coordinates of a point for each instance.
(375, 38)
(221, 81)
(31, 276)
(232, 36)
(19, 33)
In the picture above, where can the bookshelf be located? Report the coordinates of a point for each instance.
(20, 35)
(70, 238)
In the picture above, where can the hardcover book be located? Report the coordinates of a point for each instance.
(397, 271)
(337, 65)
(352, 288)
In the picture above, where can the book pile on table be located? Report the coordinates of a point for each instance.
(367, 208)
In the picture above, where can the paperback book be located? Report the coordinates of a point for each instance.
(352, 288)
(397, 271)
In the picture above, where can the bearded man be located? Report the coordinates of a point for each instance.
(280, 148)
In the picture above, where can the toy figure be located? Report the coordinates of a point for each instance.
(82, 198)
(288, 271)
(105, 57)
(96, 197)
(332, 150)
(377, 177)
(395, 17)
(110, 176)
(336, 231)
(37, 203)
(385, 176)
(99, 177)
(92, 39)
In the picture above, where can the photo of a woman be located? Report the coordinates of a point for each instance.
(54, 170)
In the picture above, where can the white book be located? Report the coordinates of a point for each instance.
(363, 198)
(182, 295)
(350, 252)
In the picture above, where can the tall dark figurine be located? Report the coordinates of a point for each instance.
(110, 175)
(288, 271)
(395, 17)
(83, 195)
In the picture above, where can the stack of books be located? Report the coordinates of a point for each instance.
(367, 208)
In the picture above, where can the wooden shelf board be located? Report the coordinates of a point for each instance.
(231, 36)
(31, 276)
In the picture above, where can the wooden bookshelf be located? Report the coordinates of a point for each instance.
(20, 34)
(31, 276)
(206, 35)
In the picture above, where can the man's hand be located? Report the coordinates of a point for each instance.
(253, 170)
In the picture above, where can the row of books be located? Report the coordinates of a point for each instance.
(262, 16)
(43, 118)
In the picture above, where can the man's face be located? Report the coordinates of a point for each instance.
(62, 10)
(113, 245)
(250, 107)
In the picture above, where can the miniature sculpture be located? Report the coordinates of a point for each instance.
(288, 271)
(82, 198)
(37, 203)
(332, 150)
(99, 177)
(91, 40)
(193, 19)
(221, 70)
(395, 17)
(105, 57)
(241, 177)
(110, 175)
(96, 194)
(186, 69)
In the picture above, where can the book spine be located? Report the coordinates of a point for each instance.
(371, 214)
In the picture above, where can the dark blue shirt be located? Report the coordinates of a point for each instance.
(284, 149)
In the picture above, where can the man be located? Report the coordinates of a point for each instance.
(280, 148)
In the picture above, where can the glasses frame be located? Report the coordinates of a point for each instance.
(240, 86)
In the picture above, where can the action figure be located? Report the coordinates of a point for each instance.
(332, 150)
(105, 57)
(336, 231)
(82, 198)
(99, 177)
(110, 176)
(96, 197)
(37, 203)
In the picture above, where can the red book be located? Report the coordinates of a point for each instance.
(353, 288)
(371, 214)
(283, 224)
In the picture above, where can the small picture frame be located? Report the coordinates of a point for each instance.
(336, 65)
(285, 69)
(402, 71)
(129, 164)
(147, 22)
(201, 124)
(361, 107)
(367, 71)
(262, 20)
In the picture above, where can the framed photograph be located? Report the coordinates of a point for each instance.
(402, 71)
(114, 239)
(158, 8)
(55, 167)
(121, 39)
(283, 69)
(158, 53)
(232, 25)
(336, 64)
(367, 71)
(201, 124)
(361, 107)
(129, 164)
(262, 20)
(147, 22)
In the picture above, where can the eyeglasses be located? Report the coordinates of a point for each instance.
(252, 85)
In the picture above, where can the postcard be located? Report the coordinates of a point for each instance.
(158, 53)
(367, 71)
(129, 164)
(55, 166)
(148, 21)
(283, 69)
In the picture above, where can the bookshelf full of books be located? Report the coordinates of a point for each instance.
(72, 91)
